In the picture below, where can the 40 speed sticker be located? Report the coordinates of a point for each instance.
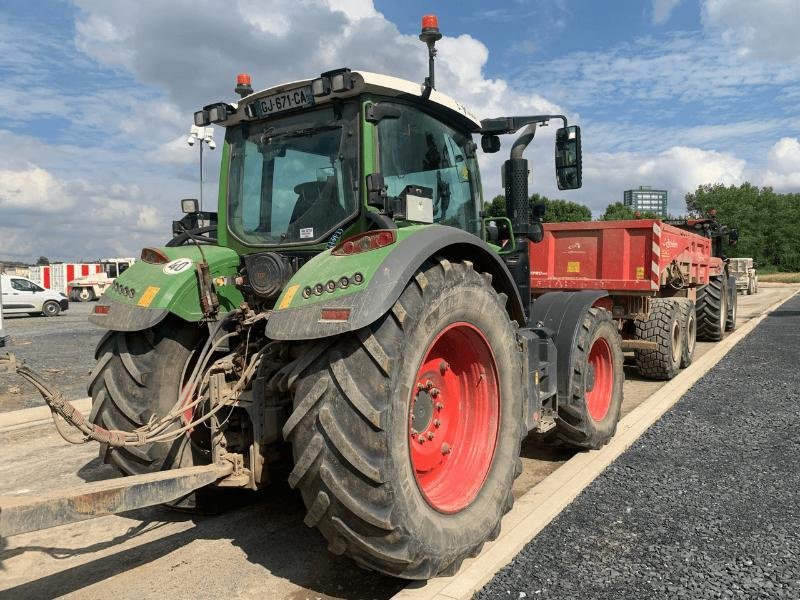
(179, 265)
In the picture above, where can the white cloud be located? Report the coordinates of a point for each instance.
(662, 9)
(763, 29)
(783, 171)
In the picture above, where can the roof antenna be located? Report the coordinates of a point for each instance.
(430, 35)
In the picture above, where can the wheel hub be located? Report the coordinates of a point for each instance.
(422, 412)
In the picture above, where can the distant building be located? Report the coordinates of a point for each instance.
(646, 199)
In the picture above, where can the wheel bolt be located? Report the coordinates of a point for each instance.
(420, 387)
(437, 423)
(435, 392)
(439, 406)
(430, 435)
(421, 439)
(429, 384)
(443, 366)
(445, 448)
(414, 432)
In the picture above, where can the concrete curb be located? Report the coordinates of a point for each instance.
(540, 505)
(29, 417)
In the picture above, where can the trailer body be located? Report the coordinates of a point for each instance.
(745, 272)
(57, 276)
(640, 257)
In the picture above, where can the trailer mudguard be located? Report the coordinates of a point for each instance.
(562, 313)
(146, 292)
(384, 273)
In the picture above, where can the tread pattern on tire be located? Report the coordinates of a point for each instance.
(136, 376)
(659, 363)
(710, 304)
(687, 307)
(337, 430)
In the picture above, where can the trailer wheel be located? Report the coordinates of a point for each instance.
(137, 376)
(689, 325)
(712, 310)
(406, 434)
(51, 309)
(664, 327)
(730, 320)
(588, 418)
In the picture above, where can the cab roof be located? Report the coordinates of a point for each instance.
(375, 83)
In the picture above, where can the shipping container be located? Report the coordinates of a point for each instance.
(56, 276)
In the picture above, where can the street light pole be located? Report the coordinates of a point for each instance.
(204, 135)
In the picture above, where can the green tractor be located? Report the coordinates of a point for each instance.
(349, 316)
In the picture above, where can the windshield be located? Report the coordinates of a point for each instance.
(291, 179)
(418, 150)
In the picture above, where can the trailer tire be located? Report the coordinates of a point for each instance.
(689, 325)
(664, 326)
(712, 310)
(51, 308)
(85, 295)
(730, 319)
(363, 469)
(137, 375)
(587, 418)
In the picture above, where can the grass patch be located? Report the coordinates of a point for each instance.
(779, 277)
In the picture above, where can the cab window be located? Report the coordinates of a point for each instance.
(419, 150)
(23, 285)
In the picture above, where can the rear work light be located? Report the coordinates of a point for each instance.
(154, 256)
(101, 309)
(364, 242)
(334, 314)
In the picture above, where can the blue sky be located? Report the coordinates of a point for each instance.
(98, 95)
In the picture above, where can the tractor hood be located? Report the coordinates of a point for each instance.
(146, 292)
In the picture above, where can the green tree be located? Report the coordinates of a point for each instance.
(617, 211)
(768, 222)
(556, 210)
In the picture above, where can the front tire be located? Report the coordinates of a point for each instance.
(406, 434)
(51, 309)
(587, 418)
(138, 375)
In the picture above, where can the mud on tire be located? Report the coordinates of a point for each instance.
(137, 375)
(350, 431)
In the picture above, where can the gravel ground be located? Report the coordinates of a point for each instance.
(60, 348)
(704, 505)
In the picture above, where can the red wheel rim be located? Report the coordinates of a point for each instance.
(600, 383)
(454, 417)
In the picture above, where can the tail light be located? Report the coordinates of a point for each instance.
(364, 242)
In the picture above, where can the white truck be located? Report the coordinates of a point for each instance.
(746, 277)
(23, 296)
(91, 287)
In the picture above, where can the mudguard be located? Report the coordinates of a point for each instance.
(146, 293)
(562, 313)
(384, 273)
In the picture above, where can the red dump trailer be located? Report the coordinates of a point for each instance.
(665, 288)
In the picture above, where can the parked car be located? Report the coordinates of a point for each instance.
(21, 296)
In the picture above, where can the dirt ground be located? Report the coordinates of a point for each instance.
(258, 548)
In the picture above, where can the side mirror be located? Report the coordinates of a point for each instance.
(490, 143)
(189, 205)
(536, 232)
(733, 237)
(382, 110)
(568, 158)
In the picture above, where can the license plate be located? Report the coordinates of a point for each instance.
(276, 103)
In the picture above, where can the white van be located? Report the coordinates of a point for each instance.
(21, 295)
(3, 336)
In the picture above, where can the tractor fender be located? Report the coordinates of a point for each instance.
(562, 313)
(386, 273)
(146, 293)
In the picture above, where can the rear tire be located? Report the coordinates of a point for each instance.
(664, 326)
(85, 295)
(137, 376)
(51, 309)
(392, 506)
(588, 418)
(712, 310)
(689, 325)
